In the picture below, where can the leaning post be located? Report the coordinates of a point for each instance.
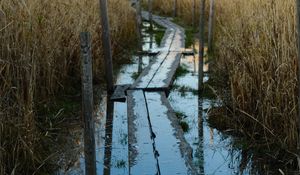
(201, 46)
(87, 104)
(106, 46)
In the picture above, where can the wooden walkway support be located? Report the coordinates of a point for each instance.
(87, 104)
(211, 25)
(201, 45)
(156, 141)
(106, 46)
(175, 9)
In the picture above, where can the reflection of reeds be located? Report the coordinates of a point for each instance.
(39, 54)
(256, 48)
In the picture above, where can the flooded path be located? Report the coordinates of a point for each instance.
(160, 145)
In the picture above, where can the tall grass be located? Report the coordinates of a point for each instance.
(184, 9)
(39, 56)
(256, 48)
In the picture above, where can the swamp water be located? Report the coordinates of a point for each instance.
(213, 153)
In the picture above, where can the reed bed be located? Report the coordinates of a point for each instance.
(184, 9)
(256, 49)
(39, 57)
(255, 57)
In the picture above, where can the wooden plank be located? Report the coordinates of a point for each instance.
(145, 77)
(120, 93)
(159, 73)
(88, 104)
(175, 154)
(141, 146)
(148, 53)
(165, 75)
(188, 53)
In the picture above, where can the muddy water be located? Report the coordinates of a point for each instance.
(212, 150)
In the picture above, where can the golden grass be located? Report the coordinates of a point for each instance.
(256, 53)
(256, 47)
(184, 9)
(39, 55)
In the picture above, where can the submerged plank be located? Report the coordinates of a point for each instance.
(119, 93)
(148, 73)
(142, 160)
(165, 74)
(175, 154)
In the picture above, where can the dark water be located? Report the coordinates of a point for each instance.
(213, 152)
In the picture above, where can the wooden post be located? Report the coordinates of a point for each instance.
(298, 28)
(175, 9)
(87, 104)
(201, 45)
(194, 13)
(150, 14)
(106, 46)
(139, 34)
(210, 25)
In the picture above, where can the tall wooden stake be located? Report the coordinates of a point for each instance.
(106, 46)
(175, 9)
(201, 45)
(194, 13)
(210, 25)
(139, 34)
(150, 14)
(87, 104)
(298, 28)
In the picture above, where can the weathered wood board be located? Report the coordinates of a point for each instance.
(141, 151)
(175, 154)
(120, 93)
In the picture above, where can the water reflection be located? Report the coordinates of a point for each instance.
(108, 136)
(200, 150)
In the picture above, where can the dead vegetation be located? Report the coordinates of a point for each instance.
(39, 58)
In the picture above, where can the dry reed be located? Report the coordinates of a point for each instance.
(39, 55)
(256, 47)
(184, 9)
(256, 51)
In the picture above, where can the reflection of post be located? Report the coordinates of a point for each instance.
(200, 150)
(87, 104)
(175, 9)
(211, 132)
(201, 46)
(151, 41)
(108, 136)
(106, 46)
(150, 14)
(210, 25)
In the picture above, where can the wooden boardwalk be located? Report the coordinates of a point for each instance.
(156, 141)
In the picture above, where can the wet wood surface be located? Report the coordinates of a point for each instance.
(156, 141)
(160, 72)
